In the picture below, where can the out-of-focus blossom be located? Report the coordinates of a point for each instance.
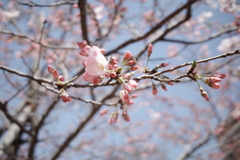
(228, 44)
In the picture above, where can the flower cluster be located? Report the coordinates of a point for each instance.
(60, 83)
(211, 81)
(97, 68)
(95, 63)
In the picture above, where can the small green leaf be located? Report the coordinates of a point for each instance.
(194, 64)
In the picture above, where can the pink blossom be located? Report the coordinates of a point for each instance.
(150, 47)
(96, 63)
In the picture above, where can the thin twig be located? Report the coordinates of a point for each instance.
(32, 4)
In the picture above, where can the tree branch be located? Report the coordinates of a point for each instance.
(82, 6)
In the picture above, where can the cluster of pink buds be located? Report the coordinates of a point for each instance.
(211, 81)
(55, 73)
(64, 96)
(60, 83)
(128, 88)
(129, 61)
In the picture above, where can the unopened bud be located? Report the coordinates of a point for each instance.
(50, 69)
(154, 89)
(55, 74)
(149, 50)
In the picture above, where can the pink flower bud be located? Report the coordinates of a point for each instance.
(149, 49)
(163, 87)
(134, 68)
(124, 95)
(50, 69)
(154, 89)
(61, 78)
(110, 67)
(107, 75)
(55, 74)
(204, 94)
(219, 75)
(214, 85)
(128, 55)
(113, 74)
(128, 87)
(214, 79)
(133, 83)
(127, 75)
(104, 111)
(82, 44)
(164, 65)
(130, 63)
